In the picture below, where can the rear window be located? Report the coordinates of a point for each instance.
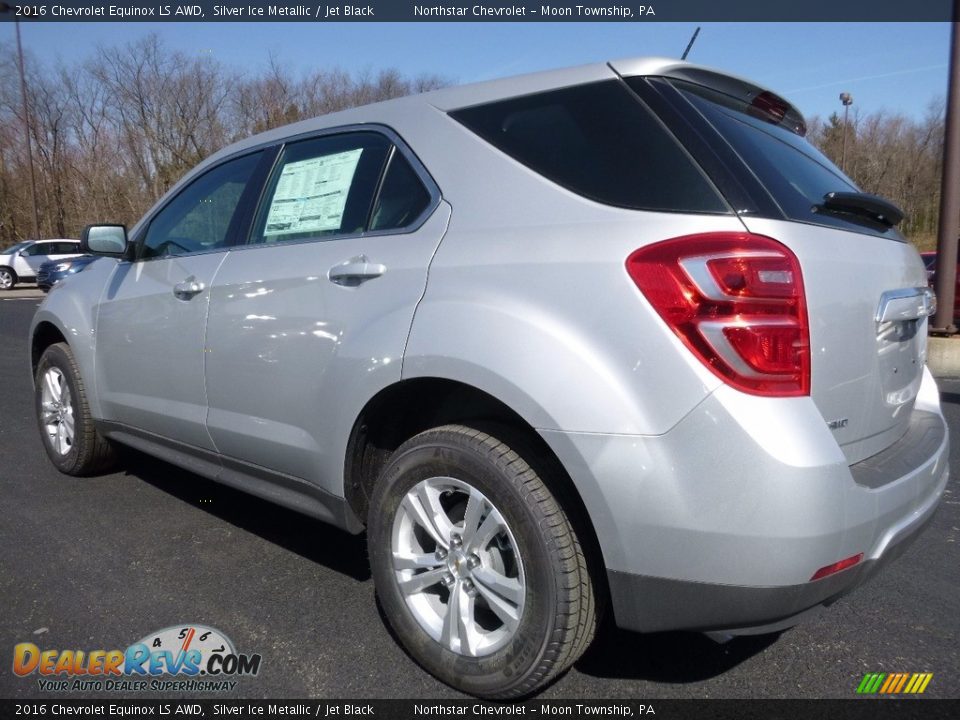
(599, 141)
(795, 173)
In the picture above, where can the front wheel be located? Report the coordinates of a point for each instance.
(477, 566)
(8, 278)
(63, 415)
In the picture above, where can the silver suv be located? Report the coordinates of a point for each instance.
(615, 337)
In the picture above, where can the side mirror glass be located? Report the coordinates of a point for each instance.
(109, 240)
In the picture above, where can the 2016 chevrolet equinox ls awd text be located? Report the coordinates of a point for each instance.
(615, 336)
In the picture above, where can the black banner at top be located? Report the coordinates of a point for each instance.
(475, 11)
(338, 709)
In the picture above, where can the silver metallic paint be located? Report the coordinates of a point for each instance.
(528, 300)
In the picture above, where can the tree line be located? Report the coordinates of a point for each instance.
(111, 134)
(894, 156)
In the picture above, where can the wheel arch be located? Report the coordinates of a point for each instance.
(408, 407)
(45, 334)
(64, 318)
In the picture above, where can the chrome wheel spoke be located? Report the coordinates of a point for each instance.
(491, 526)
(503, 607)
(409, 561)
(460, 633)
(426, 512)
(68, 424)
(506, 587)
(61, 440)
(49, 413)
(420, 582)
(52, 383)
(472, 516)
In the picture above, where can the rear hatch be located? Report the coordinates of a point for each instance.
(865, 285)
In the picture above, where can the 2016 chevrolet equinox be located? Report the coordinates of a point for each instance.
(613, 335)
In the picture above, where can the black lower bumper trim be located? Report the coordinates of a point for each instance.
(653, 604)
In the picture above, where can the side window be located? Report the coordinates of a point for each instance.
(38, 249)
(198, 218)
(599, 141)
(402, 196)
(322, 187)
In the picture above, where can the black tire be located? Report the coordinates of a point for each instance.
(558, 619)
(88, 452)
(8, 278)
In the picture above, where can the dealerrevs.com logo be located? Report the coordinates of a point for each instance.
(184, 658)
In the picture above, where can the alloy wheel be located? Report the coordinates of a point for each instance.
(57, 410)
(456, 563)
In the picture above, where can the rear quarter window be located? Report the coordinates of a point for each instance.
(795, 174)
(599, 141)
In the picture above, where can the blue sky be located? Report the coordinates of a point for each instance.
(899, 67)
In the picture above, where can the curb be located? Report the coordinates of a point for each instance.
(943, 356)
(23, 293)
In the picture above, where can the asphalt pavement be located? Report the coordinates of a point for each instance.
(100, 563)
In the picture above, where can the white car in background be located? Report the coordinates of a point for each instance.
(21, 262)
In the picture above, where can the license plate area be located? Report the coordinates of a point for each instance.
(902, 343)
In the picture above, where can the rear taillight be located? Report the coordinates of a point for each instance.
(736, 300)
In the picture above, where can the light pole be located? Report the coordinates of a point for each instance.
(949, 192)
(4, 8)
(847, 100)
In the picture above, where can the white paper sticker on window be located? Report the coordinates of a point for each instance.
(311, 194)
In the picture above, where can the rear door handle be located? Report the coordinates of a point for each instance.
(906, 304)
(188, 288)
(355, 271)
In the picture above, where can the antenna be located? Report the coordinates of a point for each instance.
(690, 44)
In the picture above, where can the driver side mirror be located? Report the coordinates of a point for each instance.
(106, 240)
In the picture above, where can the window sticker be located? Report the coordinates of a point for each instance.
(311, 194)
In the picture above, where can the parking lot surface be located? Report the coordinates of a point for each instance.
(99, 563)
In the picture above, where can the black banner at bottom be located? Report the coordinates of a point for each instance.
(855, 709)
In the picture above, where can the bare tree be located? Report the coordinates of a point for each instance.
(893, 156)
(113, 133)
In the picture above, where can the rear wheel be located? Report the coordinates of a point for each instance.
(477, 566)
(8, 278)
(63, 416)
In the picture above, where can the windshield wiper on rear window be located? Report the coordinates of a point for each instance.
(862, 206)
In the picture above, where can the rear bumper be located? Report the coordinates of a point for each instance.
(650, 604)
(719, 524)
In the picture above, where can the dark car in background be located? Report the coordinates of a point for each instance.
(53, 271)
(22, 262)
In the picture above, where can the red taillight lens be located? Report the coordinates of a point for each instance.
(837, 567)
(736, 300)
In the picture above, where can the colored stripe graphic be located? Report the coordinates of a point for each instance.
(903, 680)
(894, 683)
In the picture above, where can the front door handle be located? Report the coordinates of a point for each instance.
(188, 288)
(355, 271)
